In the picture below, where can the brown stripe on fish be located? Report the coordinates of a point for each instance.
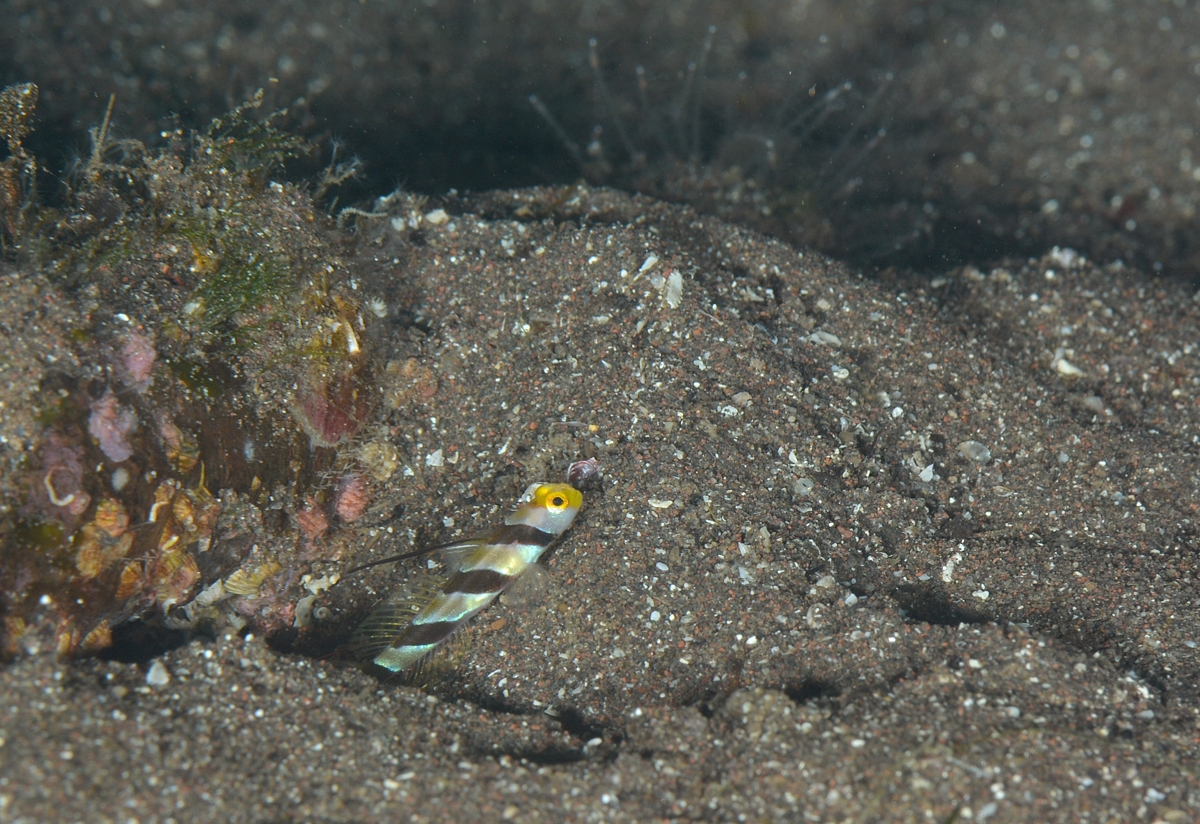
(521, 534)
(424, 635)
(478, 581)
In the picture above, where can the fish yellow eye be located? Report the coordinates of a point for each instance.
(557, 497)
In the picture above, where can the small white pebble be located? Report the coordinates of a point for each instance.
(975, 451)
(1065, 256)
(437, 217)
(158, 675)
(120, 478)
(1067, 369)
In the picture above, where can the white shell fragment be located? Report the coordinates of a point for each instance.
(437, 217)
(1064, 367)
(158, 675)
(648, 264)
(583, 471)
(304, 610)
(319, 585)
(673, 290)
(1067, 369)
(210, 595)
(975, 451)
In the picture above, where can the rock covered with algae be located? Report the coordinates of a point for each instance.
(187, 325)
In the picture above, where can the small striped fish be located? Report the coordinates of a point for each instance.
(486, 566)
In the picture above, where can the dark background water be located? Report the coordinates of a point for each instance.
(972, 130)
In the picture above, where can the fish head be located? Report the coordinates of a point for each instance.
(548, 507)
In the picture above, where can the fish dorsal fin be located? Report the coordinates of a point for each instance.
(453, 554)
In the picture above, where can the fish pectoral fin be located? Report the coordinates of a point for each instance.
(529, 589)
